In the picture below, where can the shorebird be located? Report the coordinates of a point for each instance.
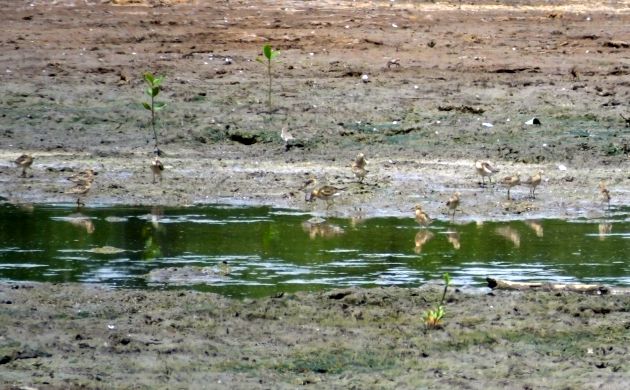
(532, 182)
(393, 62)
(80, 188)
(604, 193)
(485, 169)
(83, 176)
(325, 192)
(358, 167)
(421, 216)
(453, 203)
(286, 137)
(24, 161)
(511, 181)
(156, 168)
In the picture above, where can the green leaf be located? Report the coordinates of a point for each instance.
(274, 54)
(148, 76)
(267, 51)
(149, 91)
(159, 105)
(447, 278)
(157, 81)
(146, 105)
(155, 91)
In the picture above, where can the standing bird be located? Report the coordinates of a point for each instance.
(421, 216)
(286, 136)
(485, 169)
(325, 192)
(453, 203)
(81, 188)
(358, 167)
(83, 176)
(511, 181)
(156, 168)
(604, 193)
(532, 182)
(24, 161)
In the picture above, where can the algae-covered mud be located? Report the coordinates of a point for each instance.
(446, 84)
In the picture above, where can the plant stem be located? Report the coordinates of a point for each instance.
(443, 294)
(153, 121)
(269, 90)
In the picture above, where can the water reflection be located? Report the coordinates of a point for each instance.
(510, 234)
(453, 239)
(317, 227)
(604, 230)
(536, 226)
(422, 237)
(258, 251)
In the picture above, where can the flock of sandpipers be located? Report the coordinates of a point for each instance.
(483, 168)
(82, 182)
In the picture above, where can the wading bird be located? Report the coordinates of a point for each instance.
(156, 168)
(511, 181)
(358, 167)
(485, 169)
(604, 193)
(326, 192)
(81, 188)
(453, 203)
(532, 182)
(421, 216)
(24, 161)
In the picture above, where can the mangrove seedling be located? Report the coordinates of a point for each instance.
(433, 318)
(155, 84)
(268, 55)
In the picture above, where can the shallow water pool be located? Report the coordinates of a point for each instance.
(254, 251)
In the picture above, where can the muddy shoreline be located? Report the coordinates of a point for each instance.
(471, 78)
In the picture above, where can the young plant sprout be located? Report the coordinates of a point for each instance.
(155, 84)
(269, 54)
(432, 318)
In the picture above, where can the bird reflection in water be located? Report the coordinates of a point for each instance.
(157, 213)
(453, 238)
(318, 227)
(422, 237)
(510, 234)
(604, 230)
(536, 227)
(82, 221)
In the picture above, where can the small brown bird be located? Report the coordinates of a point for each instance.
(532, 182)
(453, 203)
(511, 181)
(83, 176)
(485, 169)
(24, 161)
(325, 192)
(156, 168)
(393, 62)
(80, 188)
(421, 216)
(604, 193)
(358, 167)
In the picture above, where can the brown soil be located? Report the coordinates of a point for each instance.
(71, 89)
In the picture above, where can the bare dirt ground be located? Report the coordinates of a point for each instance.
(471, 75)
